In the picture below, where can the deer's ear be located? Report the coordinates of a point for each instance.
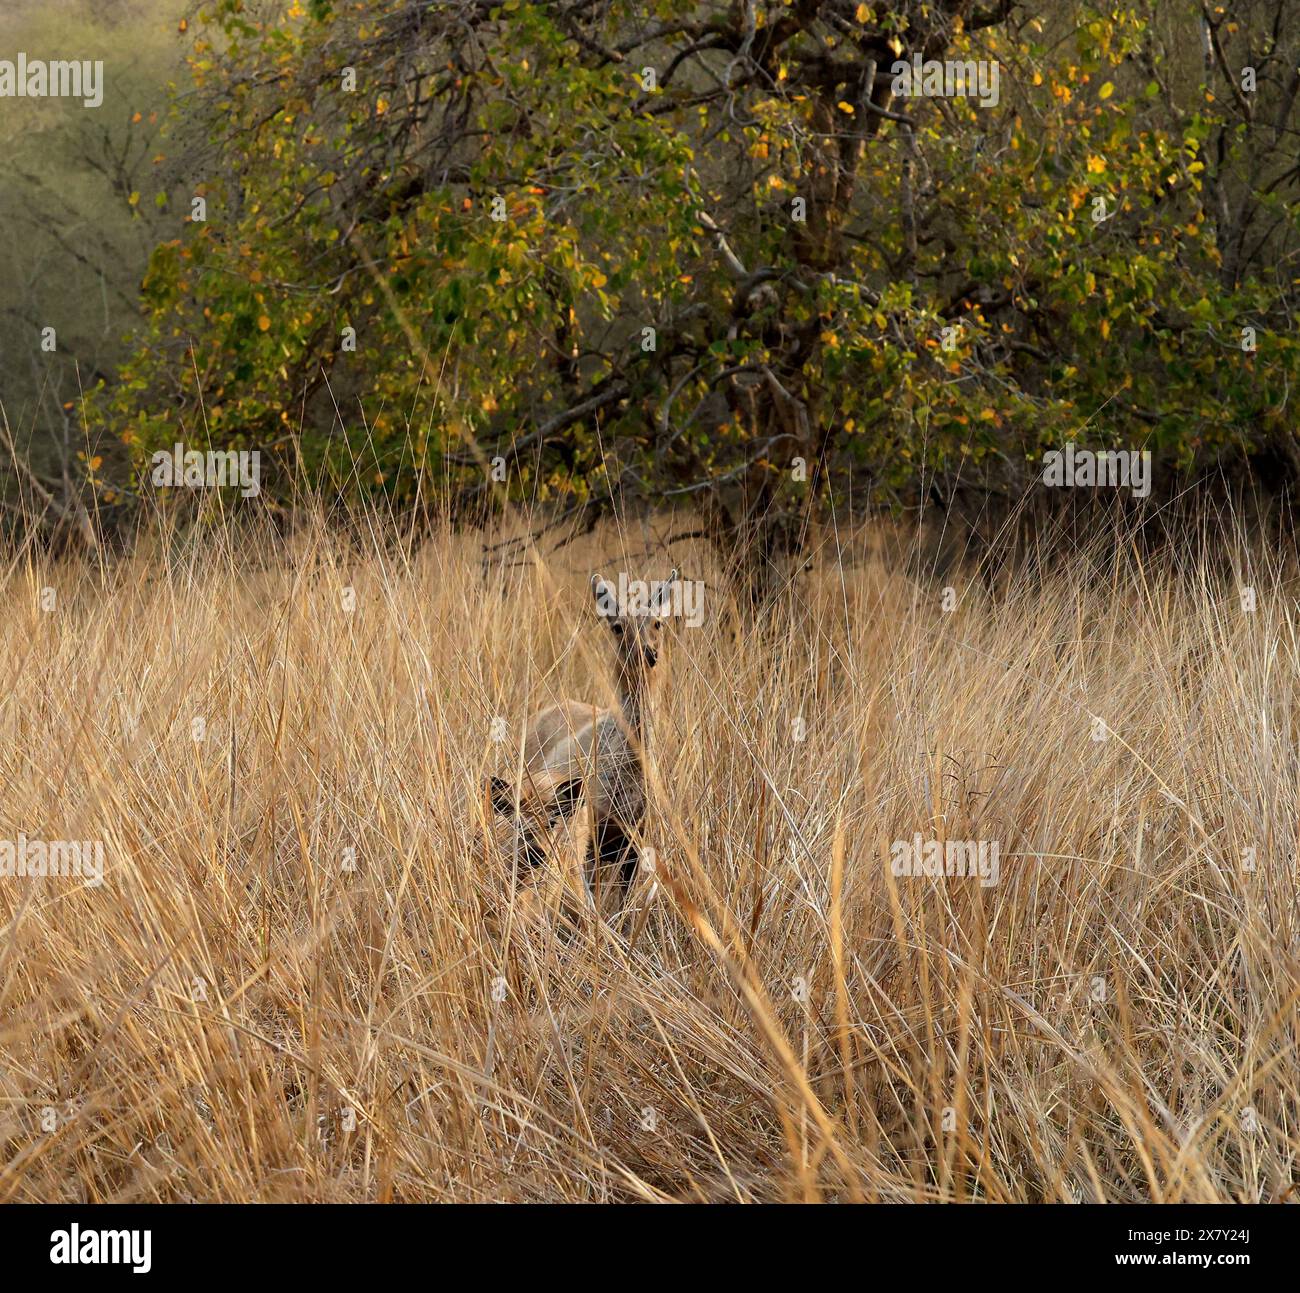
(664, 593)
(566, 795)
(606, 597)
(502, 794)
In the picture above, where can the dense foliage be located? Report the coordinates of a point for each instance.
(568, 235)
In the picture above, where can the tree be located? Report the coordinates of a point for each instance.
(718, 253)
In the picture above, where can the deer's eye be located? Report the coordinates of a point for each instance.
(618, 629)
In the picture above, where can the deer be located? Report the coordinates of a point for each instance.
(543, 837)
(577, 752)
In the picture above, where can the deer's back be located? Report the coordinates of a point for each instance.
(577, 740)
(552, 726)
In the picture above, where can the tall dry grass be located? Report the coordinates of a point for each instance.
(234, 1015)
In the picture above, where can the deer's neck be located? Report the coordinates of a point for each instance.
(634, 702)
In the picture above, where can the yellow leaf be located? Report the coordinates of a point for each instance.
(264, 323)
(1106, 90)
(845, 107)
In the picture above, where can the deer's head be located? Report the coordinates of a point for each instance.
(636, 623)
(539, 822)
